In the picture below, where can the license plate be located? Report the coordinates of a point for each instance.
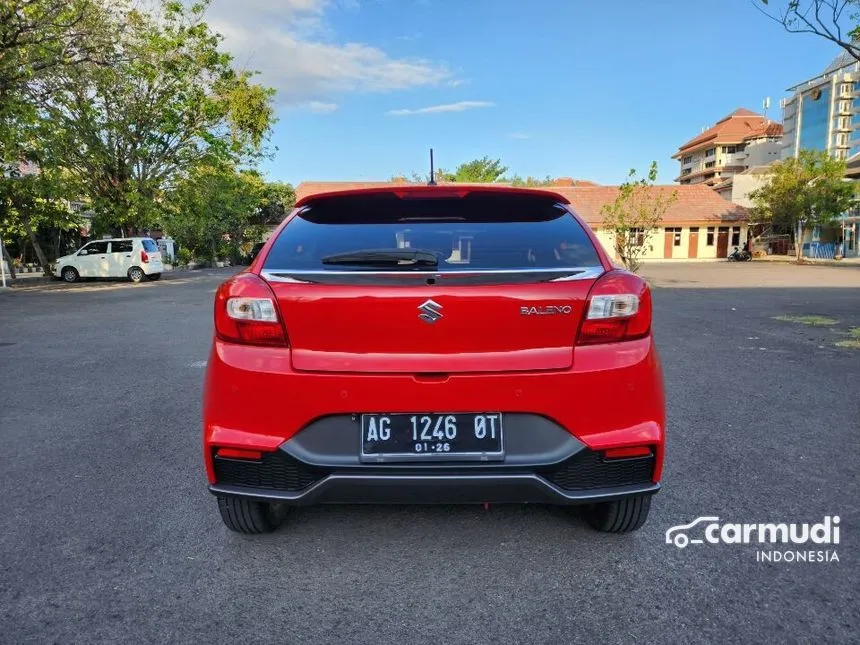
(431, 436)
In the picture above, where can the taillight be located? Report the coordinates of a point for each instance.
(246, 312)
(144, 257)
(618, 308)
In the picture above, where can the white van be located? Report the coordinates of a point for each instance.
(135, 258)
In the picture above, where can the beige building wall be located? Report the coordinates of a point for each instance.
(657, 241)
(743, 185)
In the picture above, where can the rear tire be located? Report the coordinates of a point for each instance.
(153, 276)
(620, 516)
(69, 274)
(136, 274)
(249, 516)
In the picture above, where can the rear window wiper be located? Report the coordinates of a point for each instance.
(384, 258)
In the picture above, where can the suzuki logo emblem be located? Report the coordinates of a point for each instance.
(430, 311)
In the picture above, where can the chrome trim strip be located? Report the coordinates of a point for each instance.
(576, 273)
(587, 274)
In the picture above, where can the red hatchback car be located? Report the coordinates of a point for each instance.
(433, 344)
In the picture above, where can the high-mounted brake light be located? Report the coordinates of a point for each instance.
(619, 308)
(245, 312)
(144, 257)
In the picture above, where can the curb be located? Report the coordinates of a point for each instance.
(17, 283)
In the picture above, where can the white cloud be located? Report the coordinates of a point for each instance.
(445, 107)
(519, 135)
(319, 107)
(290, 43)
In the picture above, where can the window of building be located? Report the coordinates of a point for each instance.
(710, 152)
(709, 241)
(845, 106)
(844, 122)
(677, 240)
(736, 235)
(687, 159)
(636, 236)
(845, 89)
(709, 164)
(729, 150)
(814, 119)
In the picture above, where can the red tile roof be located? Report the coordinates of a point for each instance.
(739, 126)
(696, 203)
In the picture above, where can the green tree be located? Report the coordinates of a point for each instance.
(634, 215)
(170, 100)
(809, 190)
(37, 35)
(276, 200)
(531, 182)
(214, 210)
(477, 171)
(833, 20)
(38, 38)
(33, 201)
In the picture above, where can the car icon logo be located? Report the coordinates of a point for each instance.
(676, 535)
(431, 311)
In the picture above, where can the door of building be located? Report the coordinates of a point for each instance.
(667, 246)
(723, 242)
(694, 243)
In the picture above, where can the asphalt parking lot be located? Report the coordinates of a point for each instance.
(108, 533)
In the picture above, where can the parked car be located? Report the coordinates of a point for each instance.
(135, 258)
(428, 344)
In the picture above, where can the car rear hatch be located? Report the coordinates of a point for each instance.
(430, 282)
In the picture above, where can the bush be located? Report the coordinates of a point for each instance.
(183, 256)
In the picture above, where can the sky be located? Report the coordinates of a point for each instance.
(565, 88)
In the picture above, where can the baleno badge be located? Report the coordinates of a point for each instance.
(545, 310)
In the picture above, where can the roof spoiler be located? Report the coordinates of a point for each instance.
(448, 191)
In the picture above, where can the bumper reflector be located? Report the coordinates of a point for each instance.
(624, 453)
(239, 453)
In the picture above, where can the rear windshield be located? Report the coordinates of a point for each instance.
(149, 245)
(477, 232)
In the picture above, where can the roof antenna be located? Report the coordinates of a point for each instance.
(432, 181)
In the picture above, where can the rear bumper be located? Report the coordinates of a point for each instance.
(434, 489)
(612, 397)
(543, 464)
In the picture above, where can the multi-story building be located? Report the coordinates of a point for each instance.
(823, 113)
(820, 113)
(739, 141)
